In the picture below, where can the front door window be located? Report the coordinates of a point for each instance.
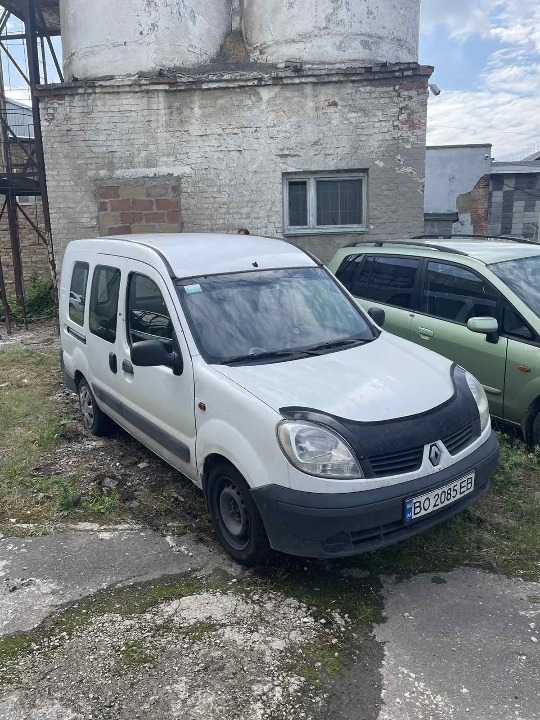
(148, 317)
(456, 294)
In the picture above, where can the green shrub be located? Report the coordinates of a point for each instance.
(39, 297)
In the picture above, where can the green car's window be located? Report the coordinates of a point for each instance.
(514, 325)
(148, 317)
(347, 270)
(523, 277)
(456, 294)
(388, 280)
(104, 302)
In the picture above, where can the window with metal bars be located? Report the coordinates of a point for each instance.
(325, 202)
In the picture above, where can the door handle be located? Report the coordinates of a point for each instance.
(113, 363)
(127, 367)
(425, 332)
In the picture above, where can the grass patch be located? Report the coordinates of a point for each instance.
(198, 631)
(500, 533)
(31, 428)
(135, 655)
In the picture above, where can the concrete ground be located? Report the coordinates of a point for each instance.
(464, 644)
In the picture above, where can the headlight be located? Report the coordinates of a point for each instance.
(481, 400)
(316, 450)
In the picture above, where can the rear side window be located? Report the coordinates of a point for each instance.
(148, 317)
(104, 302)
(347, 270)
(77, 292)
(388, 280)
(456, 294)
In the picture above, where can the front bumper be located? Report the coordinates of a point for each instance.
(329, 525)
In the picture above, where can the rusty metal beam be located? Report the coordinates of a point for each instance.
(33, 71)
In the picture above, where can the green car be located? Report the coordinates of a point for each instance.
(475, 301)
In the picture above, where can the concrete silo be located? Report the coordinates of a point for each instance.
(332, 31)
(325, 153)
(103, 38)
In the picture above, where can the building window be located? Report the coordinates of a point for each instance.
(325, 203)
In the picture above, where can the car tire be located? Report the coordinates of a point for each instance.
(235, 517)
(535, 435)
(94, 420)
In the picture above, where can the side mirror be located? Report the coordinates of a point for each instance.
(152, 353)
(377, 315)
(483, 325)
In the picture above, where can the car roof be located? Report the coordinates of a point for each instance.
(193, 254)
(486, 250)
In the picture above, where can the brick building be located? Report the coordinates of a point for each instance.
(468, 193)
(318, 136)
(515, 199)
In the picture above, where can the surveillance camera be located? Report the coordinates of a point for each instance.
(435, 89)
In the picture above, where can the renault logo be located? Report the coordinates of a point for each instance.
(435, 455)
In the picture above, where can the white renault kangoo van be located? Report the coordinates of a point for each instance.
(244, 363)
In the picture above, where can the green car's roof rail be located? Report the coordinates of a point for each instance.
(492, 238)
(410, 243)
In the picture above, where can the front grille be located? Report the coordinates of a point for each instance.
(397, 463)
(459, 440)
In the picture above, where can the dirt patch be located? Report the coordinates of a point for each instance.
(42, 335)
(149, 490)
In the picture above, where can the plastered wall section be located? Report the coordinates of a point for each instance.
(229, 147)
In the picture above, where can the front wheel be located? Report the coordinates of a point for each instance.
(235, 516)
(535, 435)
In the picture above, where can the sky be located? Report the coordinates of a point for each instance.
(486, 55)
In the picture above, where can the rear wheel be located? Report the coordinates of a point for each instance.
(94, 419)
(235, 516)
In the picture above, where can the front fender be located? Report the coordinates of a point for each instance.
(258, 458)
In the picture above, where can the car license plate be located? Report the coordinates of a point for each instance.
(440, 498)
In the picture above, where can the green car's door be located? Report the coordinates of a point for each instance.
(451, 296)
(387, 282)
(522, 385)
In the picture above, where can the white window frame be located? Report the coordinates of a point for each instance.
(313, 228)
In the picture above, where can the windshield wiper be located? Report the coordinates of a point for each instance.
(318, 349)
(276, 355)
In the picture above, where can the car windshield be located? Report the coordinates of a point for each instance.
(270, 315)
(523, 277)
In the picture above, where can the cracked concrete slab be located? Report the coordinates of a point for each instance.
(463, 645)
(40, 574)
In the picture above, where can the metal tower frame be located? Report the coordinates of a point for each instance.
(23, 162)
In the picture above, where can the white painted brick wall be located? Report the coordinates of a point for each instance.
(231, 146)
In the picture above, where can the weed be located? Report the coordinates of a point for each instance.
(68, 499)
(134, 654)
(198, 631)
